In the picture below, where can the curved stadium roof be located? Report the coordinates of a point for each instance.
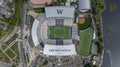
(34, 32)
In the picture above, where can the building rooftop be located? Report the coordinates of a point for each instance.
(39, 3)
(59, 50)
(1, 1)
(5, 12)
(59, 11)
(84, 5)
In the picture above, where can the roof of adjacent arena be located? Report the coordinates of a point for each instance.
(83, 4)
(59, 50)
(59, 11)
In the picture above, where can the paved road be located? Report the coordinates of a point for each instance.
(21, 46)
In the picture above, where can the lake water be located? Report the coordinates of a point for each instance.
(112, 40)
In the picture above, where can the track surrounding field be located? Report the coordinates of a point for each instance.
(85, 42)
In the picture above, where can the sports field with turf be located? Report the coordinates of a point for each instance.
(85, 42)
(84, 23)
(59, 32)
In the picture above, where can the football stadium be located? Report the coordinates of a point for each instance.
(53, 33)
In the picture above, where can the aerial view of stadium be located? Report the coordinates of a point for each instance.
(51, 33)
(56, 30)
(56, 33)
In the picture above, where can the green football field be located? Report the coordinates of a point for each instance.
(85, 42)
(59, 32)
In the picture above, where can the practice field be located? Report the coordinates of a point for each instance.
(85, 42)
(59, 32)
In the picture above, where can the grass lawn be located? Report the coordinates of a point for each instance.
(39, 10)
(58, 2)
(15, 48)
(12, 39)
(3, 46)
(85, 25)
(3, 57)
(10, 53)
(85, 42)
(2, 33)
(59, 32)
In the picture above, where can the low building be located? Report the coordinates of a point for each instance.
(9, 1)
(5, 12)
(39, 3)
(1, 16)
(31, 55)
(71, 0)
(83, 5)
(1, 2)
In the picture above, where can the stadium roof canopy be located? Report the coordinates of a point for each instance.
(34, 32)
(84, 5)
(59, 11)
(59, 50)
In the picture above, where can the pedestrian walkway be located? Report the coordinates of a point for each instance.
(3, 64)
(33, 14)
(9, 36)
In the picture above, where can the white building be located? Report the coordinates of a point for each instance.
(59, 50)
(39, 3)
(1, 2)
(59, 12)
(84, 5)
(71, 0)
